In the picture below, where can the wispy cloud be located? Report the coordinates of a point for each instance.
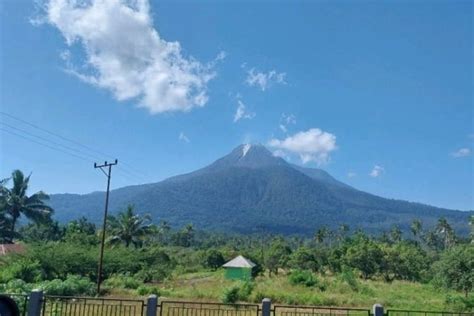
(311, 145)
(125, 54)
(242, 113)
(182, 137)
(351, 174)
(285, 121)
(377, 171)
(461, 152)
(264, 80)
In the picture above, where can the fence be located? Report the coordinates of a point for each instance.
(287, 310)
(401, 312)
(36, 304)
(86, 306)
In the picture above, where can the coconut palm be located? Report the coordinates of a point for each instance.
(129, 228)
(416, 228)
(15, 202)
(446, 232)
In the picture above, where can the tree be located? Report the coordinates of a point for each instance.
(37, 232)
(163, 232)
(446, 233)
(15, 202)
(185, 237)
(416, 228)
(81, 231)
(396, 234)
(455, 270)
(365, 255)
(321, 234)
(128, 228)
(471, 223)
(214, 259)
(303, 259)
(277, 256)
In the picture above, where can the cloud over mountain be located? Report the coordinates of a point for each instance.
(311, 145)
(125, 54)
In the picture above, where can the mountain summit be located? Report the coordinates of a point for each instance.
(249, 188)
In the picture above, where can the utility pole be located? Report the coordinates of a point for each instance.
(108, 174)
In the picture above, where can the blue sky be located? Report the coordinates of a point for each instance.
(377, 93)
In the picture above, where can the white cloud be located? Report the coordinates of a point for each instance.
(125, 54)
(377, 171)
(264, 80)
(462, 152)
(286, 120)
(351, 174)
(242, 113)
(182, 137)
(311, 145)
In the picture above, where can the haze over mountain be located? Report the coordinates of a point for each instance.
(251, 189)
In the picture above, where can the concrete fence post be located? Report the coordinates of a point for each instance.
(266, 307)
(152, 305)
(377, 310)
(35, 302)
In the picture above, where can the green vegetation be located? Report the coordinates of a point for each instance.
(430, 269)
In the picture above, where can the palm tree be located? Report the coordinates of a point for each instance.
(446, 232)
(321, 234)
(129, 228)
(15, 202)
(396, 234)
(471, 223)
(416, 228)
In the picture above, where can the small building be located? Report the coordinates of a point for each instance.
(239, 268)
(6, 249)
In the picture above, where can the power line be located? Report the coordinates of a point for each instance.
(47, 140)
(126, 167)
(123, 172)
(46, 145)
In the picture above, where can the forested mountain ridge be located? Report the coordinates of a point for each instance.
(250, 189)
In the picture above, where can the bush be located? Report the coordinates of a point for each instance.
(231, 295)
(347, 276)
(147, 290)
(152, 275)
(73, 285)
(16, 287)
(302, 277)
(24, 269)
(459, 304)
(122, 282)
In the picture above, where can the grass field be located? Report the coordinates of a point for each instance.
(329, 291)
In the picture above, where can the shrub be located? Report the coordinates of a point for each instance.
(73, 285)
(231, 295)
(16, 287)
(152, 275)
(24, 269)
(347, 276)
(245, 290)
(303, 277)
(122, 282)
(147, 290)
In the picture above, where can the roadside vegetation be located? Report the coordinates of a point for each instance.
(428, 268)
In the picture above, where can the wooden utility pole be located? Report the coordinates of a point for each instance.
(108, 174)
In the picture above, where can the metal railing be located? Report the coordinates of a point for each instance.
(88, 306)
(44, 305)
(402, 312)
(291, 310)
(183, 308)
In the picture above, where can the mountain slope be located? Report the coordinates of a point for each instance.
(251, 188)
